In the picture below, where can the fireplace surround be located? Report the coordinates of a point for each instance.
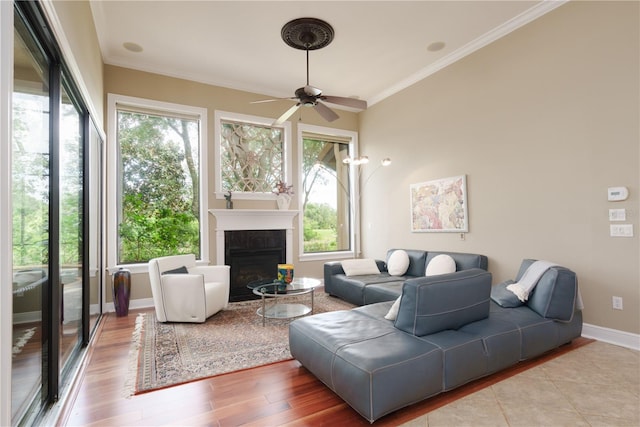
(250, 240)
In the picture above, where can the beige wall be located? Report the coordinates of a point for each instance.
(80, 34)
(541, 122)
(123, 81)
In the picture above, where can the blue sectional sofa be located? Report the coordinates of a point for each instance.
(448, 331)
(372, 288)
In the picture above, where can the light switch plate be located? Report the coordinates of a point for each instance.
(621, 230)
(617, 214)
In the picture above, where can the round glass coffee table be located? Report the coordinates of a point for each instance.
(278, 292)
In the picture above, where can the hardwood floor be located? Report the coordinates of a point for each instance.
(283, 393)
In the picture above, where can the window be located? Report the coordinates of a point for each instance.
(251, 155)
(160, 196)
(329, 214)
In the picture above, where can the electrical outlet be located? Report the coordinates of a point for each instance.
(617, 303)
(462, 236)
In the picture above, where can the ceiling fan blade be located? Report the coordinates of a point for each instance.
(347, 102)
(263, 101)
(270, 100)
(327, 113)
(283, 118)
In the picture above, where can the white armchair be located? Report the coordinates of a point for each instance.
(190, 295)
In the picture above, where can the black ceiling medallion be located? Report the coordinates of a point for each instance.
(307, 33)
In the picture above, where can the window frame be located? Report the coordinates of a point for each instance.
(354, 232)
(113, 177)
(220, 116)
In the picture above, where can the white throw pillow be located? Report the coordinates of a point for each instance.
(398, 263)
(393, 311)
(440, 264)
(359, 267)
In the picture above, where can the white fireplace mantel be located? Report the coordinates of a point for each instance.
(253, 219)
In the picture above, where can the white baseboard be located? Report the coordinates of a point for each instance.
(611, 336)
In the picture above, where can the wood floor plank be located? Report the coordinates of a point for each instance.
(280, 394)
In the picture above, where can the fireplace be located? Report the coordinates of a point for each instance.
(253, 255)
(252, 242)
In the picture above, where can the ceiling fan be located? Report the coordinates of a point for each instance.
(311, 34)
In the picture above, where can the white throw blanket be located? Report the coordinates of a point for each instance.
(529, 279)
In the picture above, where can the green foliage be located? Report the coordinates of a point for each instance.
(30, 188)
(158, 214)
(320, 228)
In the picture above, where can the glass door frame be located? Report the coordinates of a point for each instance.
(55, 378)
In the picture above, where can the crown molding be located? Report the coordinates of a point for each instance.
(489, 37)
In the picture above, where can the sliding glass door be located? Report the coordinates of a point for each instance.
(56, 200)
(31, 209)
(70, 229)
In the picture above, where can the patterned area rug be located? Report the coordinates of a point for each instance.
(168, 354)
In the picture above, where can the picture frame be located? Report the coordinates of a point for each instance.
(440, 205)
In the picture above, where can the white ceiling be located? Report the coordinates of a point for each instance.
(379, 48)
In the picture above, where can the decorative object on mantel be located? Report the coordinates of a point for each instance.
(283, 194)
(227, 197)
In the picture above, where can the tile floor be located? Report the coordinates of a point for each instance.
(595, 385)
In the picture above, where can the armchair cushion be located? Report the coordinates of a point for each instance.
(185, 292)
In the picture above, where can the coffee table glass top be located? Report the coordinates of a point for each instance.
(276, 291)
(272, 287)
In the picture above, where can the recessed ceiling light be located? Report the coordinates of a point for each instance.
(435, 46)
(132, 47)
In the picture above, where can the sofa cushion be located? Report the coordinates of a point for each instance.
(359, 267)
(554, 297)
(447, 301)
(441, 264)
(386, 291)
(464, 261)
(557, 292)
(398, 263)
(504, 297)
